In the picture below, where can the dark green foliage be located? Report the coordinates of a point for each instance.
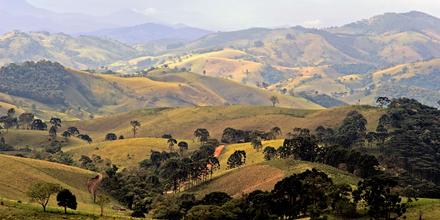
(353, 130)
(231, 135)
(412, 142)
(66, 199)
(111, 137)
(301, 145)
(381, 201)
(302, 194)
(38, 124)
(73, 131)
(183, 147)
(85, 137)
(216, 198)
(201, 134)
(43, 81)
(269, 153)
(209, 212)
(237, 159)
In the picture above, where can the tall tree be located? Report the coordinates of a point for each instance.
(25, 120)
(135, 124)
(256, 143)
(66, 199)
(381, 201)
(274, 100)
(102, 201)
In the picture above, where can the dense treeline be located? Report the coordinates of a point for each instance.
(164, 171)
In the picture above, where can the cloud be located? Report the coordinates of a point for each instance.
(312, 23)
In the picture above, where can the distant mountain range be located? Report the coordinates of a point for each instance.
(145, 33)
(332, 64)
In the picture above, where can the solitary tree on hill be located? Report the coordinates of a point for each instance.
(41, 192)
(274, 100)
(66, 199)
(135, 124)
(102, 200)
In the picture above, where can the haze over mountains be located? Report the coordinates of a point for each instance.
(350, 64)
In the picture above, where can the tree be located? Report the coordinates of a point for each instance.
(73, 131)
(38, 124)
(111, 137)
(353, 130)
(237, 159)
(256, 143)
(202, 134)
(135, 124)
(305, 193)
(208, 212)
(56, 122)
(171, 142)
(382, 101)
(102, 200)
(66, 199)
(53, 132)
(85, 137)
(216, 198)
(269, 153)
(25, 120)
(274, 100)
(381, 201)
(66, 134)
(183, 147)
(276, 131)
(40, 192)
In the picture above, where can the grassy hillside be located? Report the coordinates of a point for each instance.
(78, 52)
(52, 90)
(259, 174)
(22, 172)
(124, 153)
(182, 122)
(32, 138)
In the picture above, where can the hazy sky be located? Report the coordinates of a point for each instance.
(236, 14)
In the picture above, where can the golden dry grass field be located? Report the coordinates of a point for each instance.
(182, 122)
(18, 174)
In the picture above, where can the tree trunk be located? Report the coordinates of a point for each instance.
(65, 210)
(44, 208)
(102, 210)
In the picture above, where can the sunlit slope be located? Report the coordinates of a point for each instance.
(258, 174)
(232, 92)
(182, 122)
(127, 152)
(18, 174)
(34, 139)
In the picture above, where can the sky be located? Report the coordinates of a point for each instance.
(239, 14)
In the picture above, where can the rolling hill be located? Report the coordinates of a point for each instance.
(81, 52)
(124, 153)
(14, 187)
(76, 94)
(182, 122)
